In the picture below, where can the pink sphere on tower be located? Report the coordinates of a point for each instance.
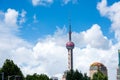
(69, 45)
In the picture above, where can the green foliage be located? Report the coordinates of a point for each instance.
(37, 77)
(10, 69)
(76, 75)
(86, 77)
(99, 76)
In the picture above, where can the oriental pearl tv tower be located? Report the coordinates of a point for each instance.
(70, 45)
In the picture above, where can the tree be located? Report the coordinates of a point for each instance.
(0, 74)
(36, 76)
(86, 77)
(76, 75)
(11, 70)
(70, 75)
(99, 76)
(43, 77)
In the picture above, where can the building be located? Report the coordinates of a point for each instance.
(64, 76)
(118, 70)
(54, 78)
(97, 66)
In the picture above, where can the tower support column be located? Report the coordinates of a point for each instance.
(70, 59)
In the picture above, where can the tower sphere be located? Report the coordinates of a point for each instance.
(69, 45)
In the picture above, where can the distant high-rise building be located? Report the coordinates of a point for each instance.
(54, 78)
(64, 76)
(118, 70)
(97, 66)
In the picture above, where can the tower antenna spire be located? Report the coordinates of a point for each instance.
(70, 29)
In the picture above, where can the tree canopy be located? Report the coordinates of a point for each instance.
(99, 76)
(36, 76)
(76, 75)
(11, 70)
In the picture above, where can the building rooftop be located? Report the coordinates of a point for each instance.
(96, 64)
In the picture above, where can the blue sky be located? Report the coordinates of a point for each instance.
(33, 33)
(83, 14)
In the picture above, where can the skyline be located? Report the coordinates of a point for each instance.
(33, 33)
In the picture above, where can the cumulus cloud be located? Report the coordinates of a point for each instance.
(92, 37)
(51, 51)
(113, 13)
(42, 54)
(9, 41)
(9, 21)
(102, 51)
(95, 38)
(11, 17)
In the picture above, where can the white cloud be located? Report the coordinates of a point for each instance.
(113, 13)
(8, 22)
(30, 59)
(49, 51)
(96, 39)
(9, 42)
(11, 17)
(92, 37)
(42, 2)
